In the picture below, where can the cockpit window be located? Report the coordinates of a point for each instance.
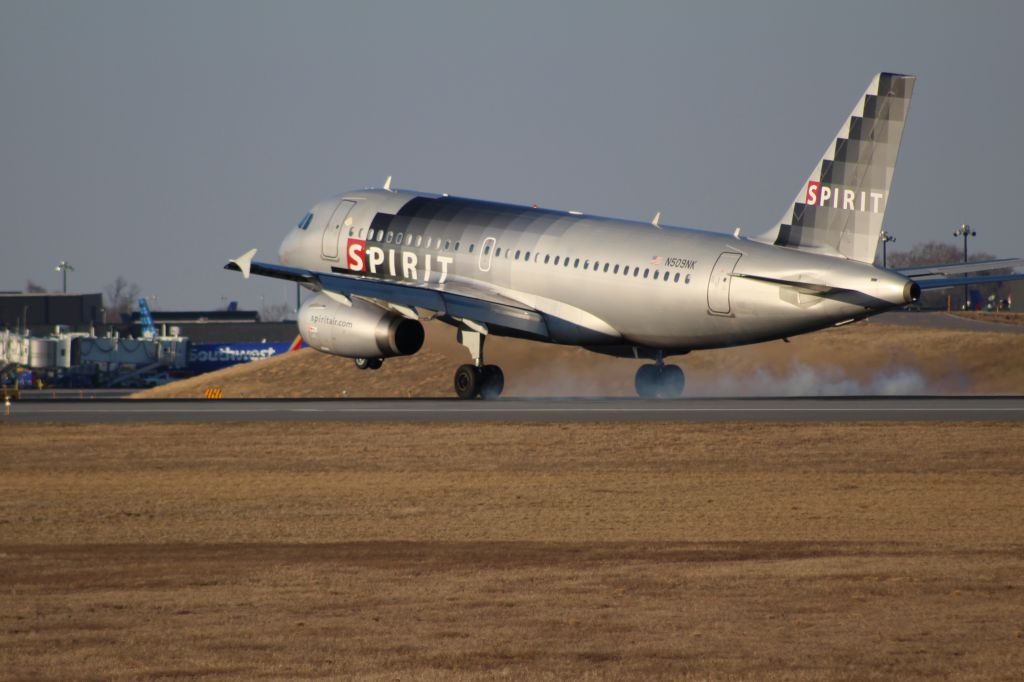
(306, 220)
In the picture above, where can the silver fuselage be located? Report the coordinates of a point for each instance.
(617, 284)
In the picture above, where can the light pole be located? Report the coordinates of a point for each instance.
(885, 238)
(64, 267)
(965, 231)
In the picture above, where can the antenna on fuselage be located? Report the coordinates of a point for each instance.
(657, 220)
(387, 184)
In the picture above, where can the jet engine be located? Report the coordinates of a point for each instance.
(362, 330)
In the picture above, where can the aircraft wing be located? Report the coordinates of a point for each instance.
(953, 268)
(454, 301)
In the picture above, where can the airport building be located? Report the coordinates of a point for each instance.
(19, 310)
(58, 340)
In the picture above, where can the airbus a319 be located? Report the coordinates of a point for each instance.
(382, 260)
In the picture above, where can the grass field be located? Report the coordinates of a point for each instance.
(526, 551)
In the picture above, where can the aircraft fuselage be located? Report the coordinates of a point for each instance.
(608, 284)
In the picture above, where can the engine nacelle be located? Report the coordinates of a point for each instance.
(363, 330)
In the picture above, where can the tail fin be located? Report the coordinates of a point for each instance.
(146, 319)
(841, 207)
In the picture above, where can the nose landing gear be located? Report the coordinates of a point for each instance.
(659, 381)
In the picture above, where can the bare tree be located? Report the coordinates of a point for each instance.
(120, 298)
(33, 288)
(933, 253)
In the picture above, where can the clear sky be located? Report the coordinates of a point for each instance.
(156, 140)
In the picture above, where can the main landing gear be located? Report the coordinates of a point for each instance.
(369, 363)
(484, 382)
(659, 380)
(478, 379)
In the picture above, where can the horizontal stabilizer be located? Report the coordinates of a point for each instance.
(947, 282)
(798, 284)
(953, 268)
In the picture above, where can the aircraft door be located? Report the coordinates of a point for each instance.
(721, 282)
(329, 245)
(486, 253)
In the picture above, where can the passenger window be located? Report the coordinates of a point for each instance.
(656, 274)
(447, 244)
(428, 242)
(565, 262)
(419, 240)
(517, 254)
(606, 267)
(647, 271)
(471, 246)
(676, 278)
(398, 239)
(456, 246)
(487, 250)
(576, 264)
(636, 270)
(557, 258)
(497, 252)
(390, 236)
(586, 264)
(548, 258)
(667, 273)
(527, 256)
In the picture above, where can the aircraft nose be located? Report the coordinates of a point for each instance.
(287, 248)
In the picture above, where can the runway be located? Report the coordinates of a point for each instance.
(917, 409)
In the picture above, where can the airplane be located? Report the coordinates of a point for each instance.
(383, 259)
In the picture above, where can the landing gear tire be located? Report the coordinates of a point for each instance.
(369, 363)
(671, 382)
(467, 382)
(485, 382)
(653, 381)
(492, 382)
(647, 381)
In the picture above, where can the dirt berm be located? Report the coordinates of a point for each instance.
(869, 358)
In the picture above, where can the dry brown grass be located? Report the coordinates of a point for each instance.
(869, 357)
(542, 551)
(1001, 317)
